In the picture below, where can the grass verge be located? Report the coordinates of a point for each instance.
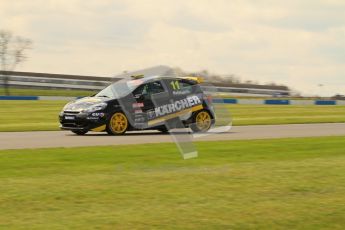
(48, 92)
(30, 115)
(286, 114)
(43, 115)
(259, 184)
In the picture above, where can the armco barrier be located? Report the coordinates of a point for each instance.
(277, 102)
(30, 98)
(320, 102)
(225, 100)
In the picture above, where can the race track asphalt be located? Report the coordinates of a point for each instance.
(48, 139)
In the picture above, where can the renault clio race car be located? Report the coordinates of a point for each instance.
(141, 103)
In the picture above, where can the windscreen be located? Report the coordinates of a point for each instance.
(117, 90)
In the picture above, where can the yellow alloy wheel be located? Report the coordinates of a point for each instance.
(203, 121)
(118, 123)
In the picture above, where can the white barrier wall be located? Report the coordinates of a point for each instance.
(302, 102)
(56, 98)
(251, 101)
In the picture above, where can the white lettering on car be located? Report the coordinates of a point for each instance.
(177, 106)
(171, 108)
(158, 111)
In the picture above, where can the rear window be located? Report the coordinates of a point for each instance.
(181, 86)
(186, 84)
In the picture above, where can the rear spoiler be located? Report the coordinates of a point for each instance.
(139, 76)
(197, 79)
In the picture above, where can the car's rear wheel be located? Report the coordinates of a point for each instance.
(202, 121)
(79, 132)
(117, 124)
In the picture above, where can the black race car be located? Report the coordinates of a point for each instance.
(141, 103)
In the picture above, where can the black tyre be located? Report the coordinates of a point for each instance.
(163, 130)
(79, 132)
(117, 124)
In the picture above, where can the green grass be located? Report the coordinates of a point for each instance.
(259, 184)
(286, 114)
(30, 115)
(43, 115)
(45, 92)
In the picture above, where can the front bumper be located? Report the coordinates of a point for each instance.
(79, 121)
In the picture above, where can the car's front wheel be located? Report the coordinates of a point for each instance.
(117, 124)
(202, 121)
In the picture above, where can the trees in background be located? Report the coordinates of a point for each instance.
(12, 53)
(230, 78)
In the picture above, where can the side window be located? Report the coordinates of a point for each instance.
(141, 90)
(180, 85)
(175, 85)
(156, 87)
(186, 85)
(148, 89)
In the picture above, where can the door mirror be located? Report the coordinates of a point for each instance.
(137, 96)
(141, 97)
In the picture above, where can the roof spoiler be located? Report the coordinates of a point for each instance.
(197, 79)
(139, 76)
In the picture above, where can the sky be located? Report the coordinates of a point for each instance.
(297, 43)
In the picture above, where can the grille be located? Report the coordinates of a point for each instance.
(76, 124)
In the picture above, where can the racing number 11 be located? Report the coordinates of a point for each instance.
(175, 85)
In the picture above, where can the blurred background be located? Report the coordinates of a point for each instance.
(249, 48)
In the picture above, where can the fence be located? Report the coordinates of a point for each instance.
(14, 79)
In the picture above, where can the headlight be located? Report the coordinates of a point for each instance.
(96, 107)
